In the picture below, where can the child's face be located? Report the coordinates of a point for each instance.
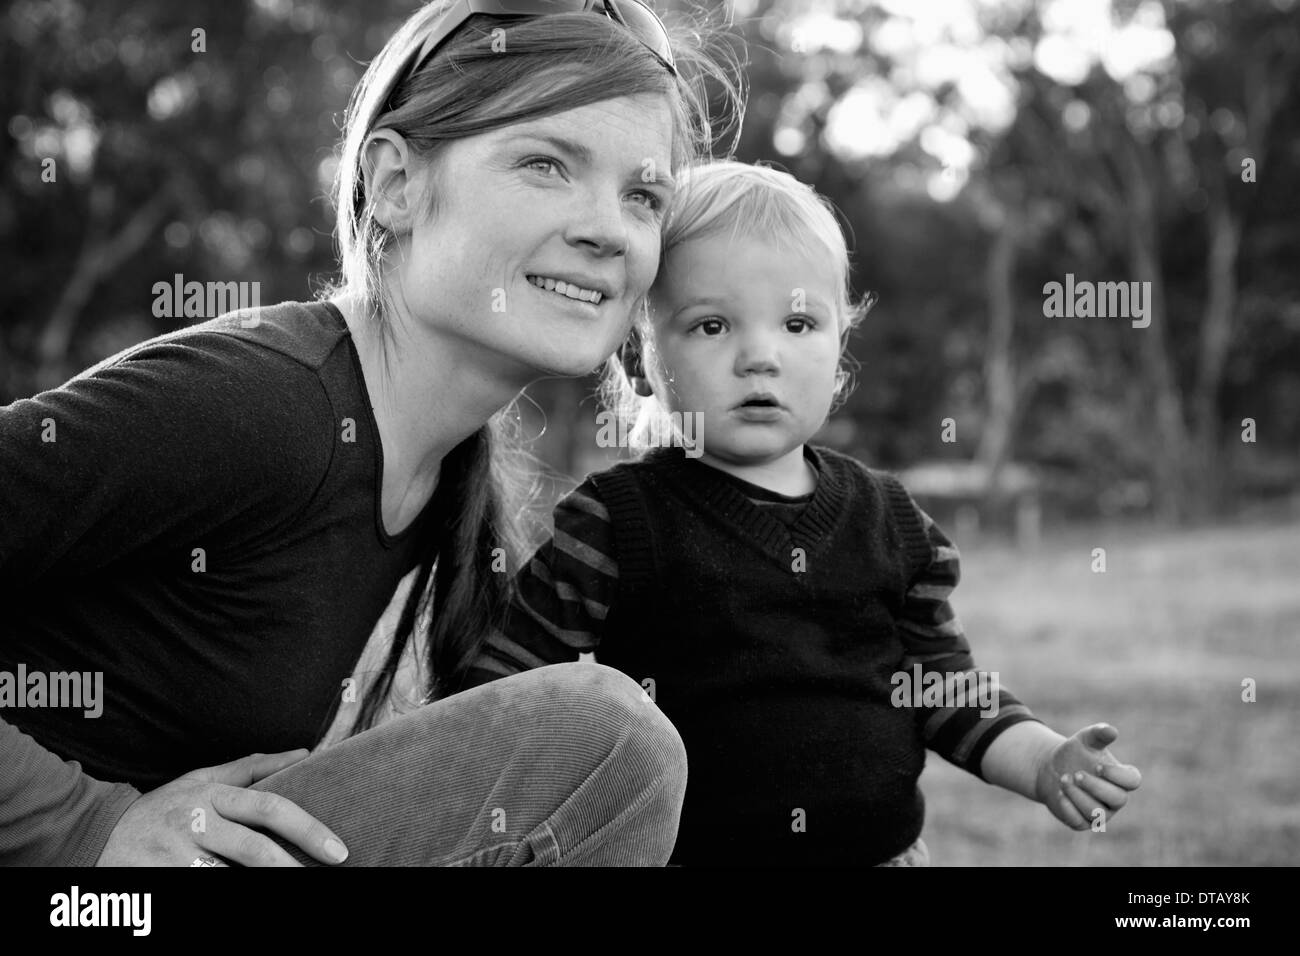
(736, 319)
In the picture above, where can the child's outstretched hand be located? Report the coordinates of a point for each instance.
(1082, 775)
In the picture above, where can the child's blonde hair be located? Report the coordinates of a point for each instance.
(725, 197)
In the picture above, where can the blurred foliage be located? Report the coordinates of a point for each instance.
(1016, 152)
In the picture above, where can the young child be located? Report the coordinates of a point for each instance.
(784, 605)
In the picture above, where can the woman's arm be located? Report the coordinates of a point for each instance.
(70, 507)
(161, 448)
(153, 449)
(51, 813)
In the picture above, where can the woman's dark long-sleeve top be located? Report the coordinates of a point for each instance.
(197, 519)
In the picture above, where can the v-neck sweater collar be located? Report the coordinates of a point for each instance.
(714, 493)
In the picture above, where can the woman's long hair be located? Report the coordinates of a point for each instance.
(555, 63)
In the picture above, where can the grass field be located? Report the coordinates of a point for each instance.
(1158, 645)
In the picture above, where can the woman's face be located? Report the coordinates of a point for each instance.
(529, 221)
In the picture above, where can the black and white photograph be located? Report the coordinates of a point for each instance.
(763, 435)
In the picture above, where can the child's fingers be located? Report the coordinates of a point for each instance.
(1066, 812)
(1098, 736)
(1121, 774)
(1103, 791)
(1072, 804)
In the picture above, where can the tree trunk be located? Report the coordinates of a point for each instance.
(999, 371)
(99, 256)
(1215, 339)
(1171, 459)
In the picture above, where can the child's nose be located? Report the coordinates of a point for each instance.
(757, 353)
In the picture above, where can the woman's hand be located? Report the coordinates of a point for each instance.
(210, 813)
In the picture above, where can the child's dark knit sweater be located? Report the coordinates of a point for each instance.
(769, 630)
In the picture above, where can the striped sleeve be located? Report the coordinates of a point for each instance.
(561, 596)
(933, 639)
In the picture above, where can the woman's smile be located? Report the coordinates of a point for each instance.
(575, 301)
(583, 290)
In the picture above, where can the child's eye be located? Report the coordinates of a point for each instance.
(710, 327)
(801, 324)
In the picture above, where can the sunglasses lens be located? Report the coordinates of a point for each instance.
(637, 18)
(528, 8)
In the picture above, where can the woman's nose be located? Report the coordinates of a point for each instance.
(599, 224)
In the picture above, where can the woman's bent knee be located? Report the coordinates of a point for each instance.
(626, 808)
(605, 704)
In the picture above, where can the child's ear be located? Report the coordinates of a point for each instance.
(629, 355)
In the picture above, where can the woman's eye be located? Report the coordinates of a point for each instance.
(650, 200)
(542, 161)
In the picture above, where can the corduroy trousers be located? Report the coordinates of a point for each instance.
(566, 765)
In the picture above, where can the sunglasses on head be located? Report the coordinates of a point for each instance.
(632, 14)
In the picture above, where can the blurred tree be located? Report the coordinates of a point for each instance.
(1068, 138)
(207, 155)
(1241, 66)
(976, 150)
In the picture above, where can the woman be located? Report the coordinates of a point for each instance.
(215, 519)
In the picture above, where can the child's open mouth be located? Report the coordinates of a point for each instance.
(759, 408)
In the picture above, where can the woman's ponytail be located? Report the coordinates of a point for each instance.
(463, 586)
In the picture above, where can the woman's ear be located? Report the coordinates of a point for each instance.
(386, 167)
